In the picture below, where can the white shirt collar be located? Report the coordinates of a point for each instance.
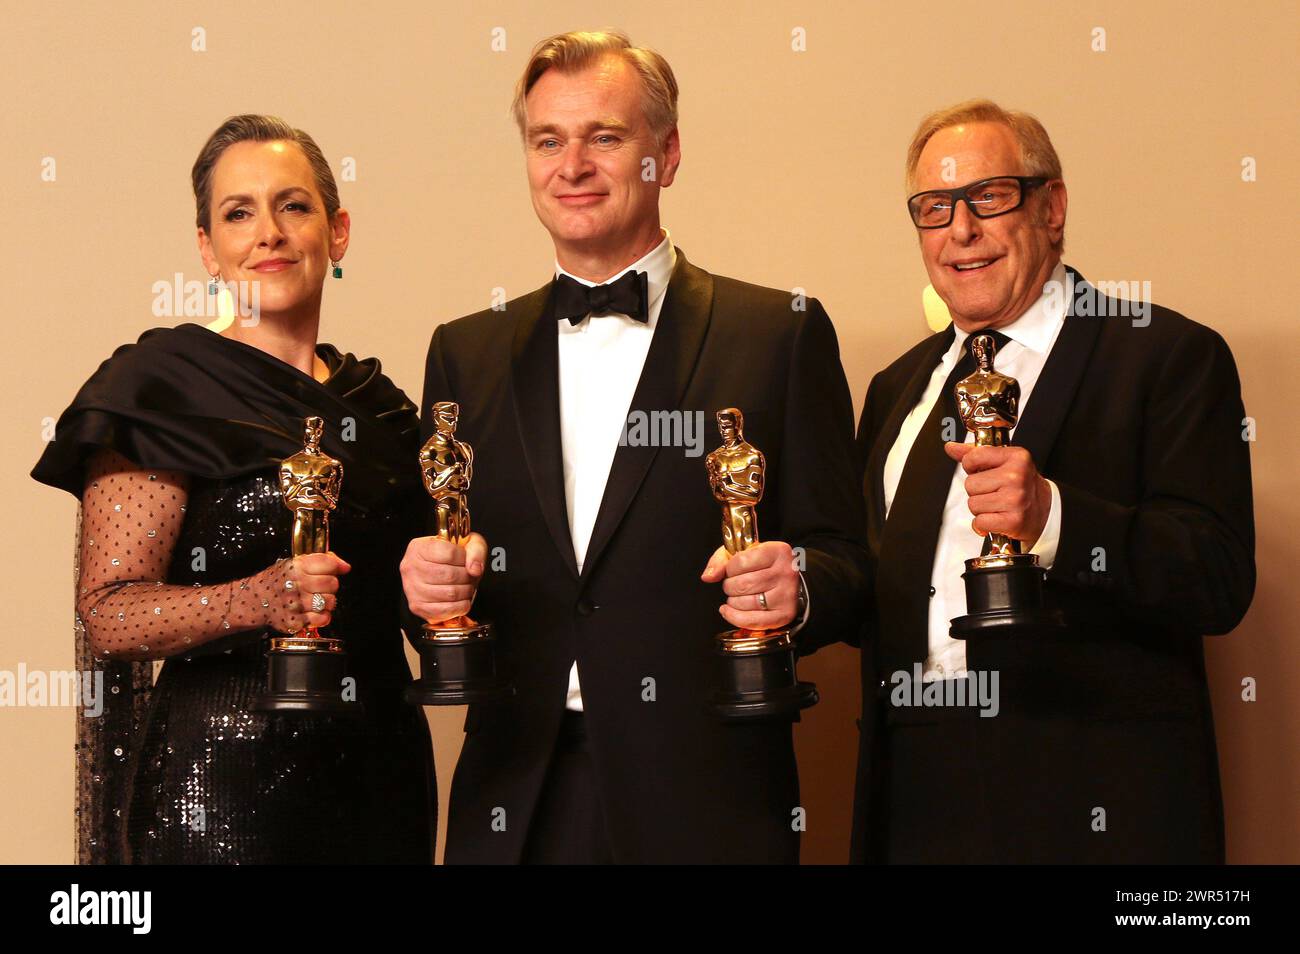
(657, 263)
(1037, 328)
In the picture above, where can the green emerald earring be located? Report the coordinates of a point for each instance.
(338, 269)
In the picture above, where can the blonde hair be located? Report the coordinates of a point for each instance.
(251, 127)
(570, 52)
(1036, 149)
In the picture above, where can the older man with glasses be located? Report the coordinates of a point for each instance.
(1127, 477)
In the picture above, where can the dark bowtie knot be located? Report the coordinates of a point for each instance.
(628, 295)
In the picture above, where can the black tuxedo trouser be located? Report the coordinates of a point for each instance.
(960, 789)
(569, 825)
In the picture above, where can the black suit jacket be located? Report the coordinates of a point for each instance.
(1141, 428)
(676, 785)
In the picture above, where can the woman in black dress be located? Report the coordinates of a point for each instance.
(173, 447)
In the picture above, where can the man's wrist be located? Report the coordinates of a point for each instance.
(802, 605)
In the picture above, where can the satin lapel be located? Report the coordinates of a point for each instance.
(536, 391)
(678, 337)
(1060, 379)
(925, 365)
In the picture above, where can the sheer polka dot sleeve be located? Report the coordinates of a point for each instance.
(131, 519)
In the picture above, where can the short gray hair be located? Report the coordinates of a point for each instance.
(570, 52)
(1036, 149)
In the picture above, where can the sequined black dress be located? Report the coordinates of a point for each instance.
(216, 782)
(192, 775)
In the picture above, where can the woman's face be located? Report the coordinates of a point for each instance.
(269, 227)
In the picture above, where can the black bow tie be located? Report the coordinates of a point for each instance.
(629, 295)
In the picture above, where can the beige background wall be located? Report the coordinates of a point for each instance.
(791, 177)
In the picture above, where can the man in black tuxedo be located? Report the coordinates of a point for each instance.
(1130, 480)
(590, 404)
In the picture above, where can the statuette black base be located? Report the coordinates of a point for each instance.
(1005, 599)
(756, 678)
(457, 667)
(306, 680)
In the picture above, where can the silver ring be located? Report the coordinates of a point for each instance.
(762, 600)
(318, 602)
(289, 584)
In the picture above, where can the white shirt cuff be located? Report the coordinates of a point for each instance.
(1045, 546)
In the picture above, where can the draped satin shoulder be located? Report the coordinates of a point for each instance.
(189, 399)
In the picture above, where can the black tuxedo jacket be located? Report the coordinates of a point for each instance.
(676, 785)
(1141, 428)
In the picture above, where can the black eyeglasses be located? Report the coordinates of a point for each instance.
(986, 199)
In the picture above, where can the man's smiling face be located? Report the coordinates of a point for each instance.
(586, 139)
(988, 271)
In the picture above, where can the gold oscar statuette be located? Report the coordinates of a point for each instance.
(457, 656)
(1004, 587)
(305, 670)
(756, 668)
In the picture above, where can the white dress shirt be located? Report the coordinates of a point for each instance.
(1032, 336)
(600, 362)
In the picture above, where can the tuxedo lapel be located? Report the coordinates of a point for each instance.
(678, 336)
(926, 362)
(905, 546)
(536, 392)
(1060, 379)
